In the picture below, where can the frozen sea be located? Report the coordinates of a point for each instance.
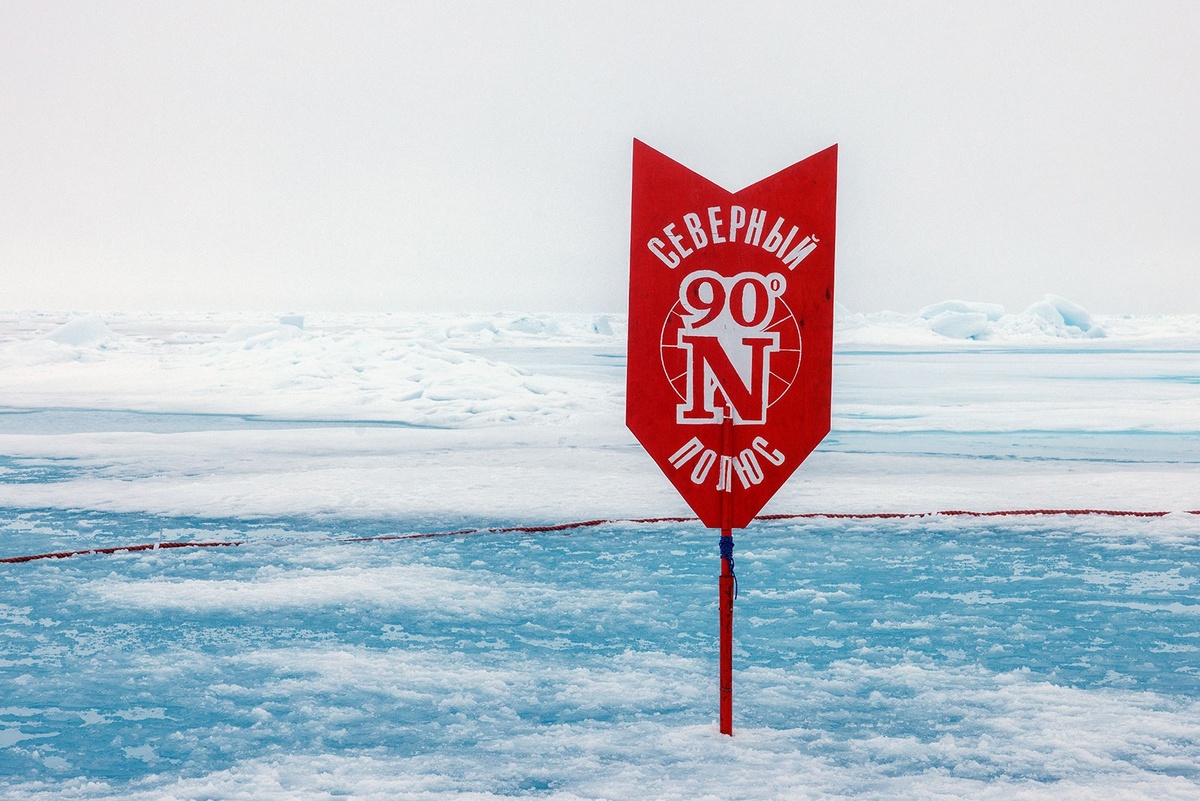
(332, 654)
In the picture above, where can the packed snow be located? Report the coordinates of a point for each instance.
(942, 656)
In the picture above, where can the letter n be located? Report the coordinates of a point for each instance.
(710, 369)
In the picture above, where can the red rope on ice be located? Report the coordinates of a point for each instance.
(154, 546)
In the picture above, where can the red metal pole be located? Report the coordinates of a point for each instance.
(725, 585)
(726, 680)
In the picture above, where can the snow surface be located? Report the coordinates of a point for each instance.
(934, 657)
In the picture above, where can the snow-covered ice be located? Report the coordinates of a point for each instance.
(929, 657)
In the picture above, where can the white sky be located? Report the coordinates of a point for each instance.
(476, 156)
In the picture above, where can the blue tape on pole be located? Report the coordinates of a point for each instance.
(727, 553)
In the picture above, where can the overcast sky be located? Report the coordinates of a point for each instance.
(476, 156)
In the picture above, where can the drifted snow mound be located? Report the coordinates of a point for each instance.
(1053, 316)
(253, 336)
(81, 332)
(967, 321)
(960, 319)
(993, 311)
(285, 373)
(1060, 317)
(602, 326)
(501, 329)
(362, 375)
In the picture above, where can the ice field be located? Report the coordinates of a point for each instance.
(944, 656)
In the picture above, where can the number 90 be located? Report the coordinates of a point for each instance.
(748, 298)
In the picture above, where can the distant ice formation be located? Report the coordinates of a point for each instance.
(960, 319)
(1060, 317)
(1054, 316)
(81, 332)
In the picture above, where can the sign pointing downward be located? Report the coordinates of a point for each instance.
(730, 317)
(730, 335)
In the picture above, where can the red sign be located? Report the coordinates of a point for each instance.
(730, 328)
